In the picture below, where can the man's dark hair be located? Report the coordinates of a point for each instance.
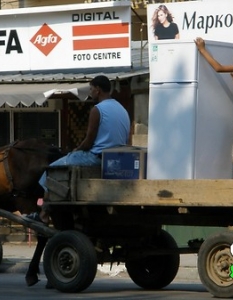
(103, 82)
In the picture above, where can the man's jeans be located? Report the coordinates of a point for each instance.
(76, 158)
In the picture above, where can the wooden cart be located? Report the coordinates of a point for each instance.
(120, 221)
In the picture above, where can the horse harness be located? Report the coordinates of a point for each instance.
(6, 179)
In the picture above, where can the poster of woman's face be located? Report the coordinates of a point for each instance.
(163, 25)
(187, 20)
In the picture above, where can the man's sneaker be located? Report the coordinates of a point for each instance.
(34, 216)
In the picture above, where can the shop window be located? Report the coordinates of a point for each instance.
(44, 126)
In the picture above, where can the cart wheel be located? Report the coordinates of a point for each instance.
(215, 264)
(155, 271)
(70, 261)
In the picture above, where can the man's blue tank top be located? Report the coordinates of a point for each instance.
(114, 126)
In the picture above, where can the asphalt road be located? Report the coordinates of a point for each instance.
(108, 284)
(12, 286)
(16, 257)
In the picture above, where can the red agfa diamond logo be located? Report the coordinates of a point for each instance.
(45, 39)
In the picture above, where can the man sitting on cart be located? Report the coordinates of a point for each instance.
(108, 126)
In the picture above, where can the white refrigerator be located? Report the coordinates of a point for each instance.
(190, 129)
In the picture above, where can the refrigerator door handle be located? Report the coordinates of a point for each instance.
(178, 83)
(186, 82)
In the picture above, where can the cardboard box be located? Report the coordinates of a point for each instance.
(126, 162)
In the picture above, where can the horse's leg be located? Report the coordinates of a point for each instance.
(33, 269)
(62, 220)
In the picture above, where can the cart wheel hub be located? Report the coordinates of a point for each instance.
(220, 260)
(68, 262)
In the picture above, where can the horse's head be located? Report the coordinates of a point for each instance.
(26, 160)
(21, 165)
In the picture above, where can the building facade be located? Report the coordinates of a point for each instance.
(63, 121)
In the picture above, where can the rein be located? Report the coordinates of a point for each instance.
(6, 168)
(5, 150)
(33, 150)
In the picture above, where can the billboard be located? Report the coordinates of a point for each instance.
(92, 35)
(209, 20)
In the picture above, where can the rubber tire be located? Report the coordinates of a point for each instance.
(157, 271)
(214, 262)
(70, 261)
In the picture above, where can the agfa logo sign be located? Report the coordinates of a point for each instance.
(45, 39)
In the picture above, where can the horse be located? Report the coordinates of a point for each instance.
(22, 163)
